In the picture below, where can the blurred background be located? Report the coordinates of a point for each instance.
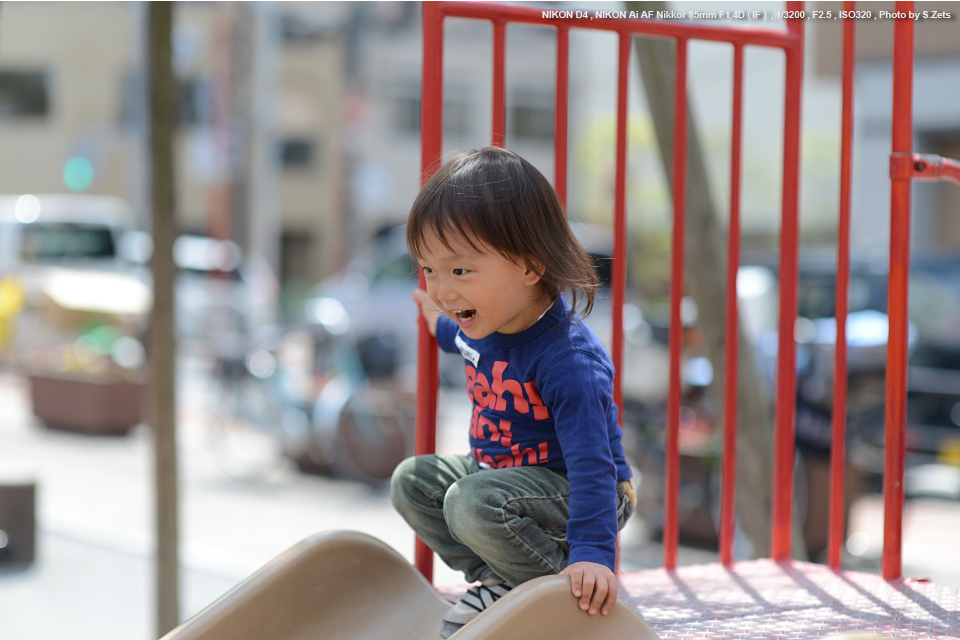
(297, 158)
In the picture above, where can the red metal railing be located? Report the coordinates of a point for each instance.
(904, 167)
(838, 445)
(896, 392)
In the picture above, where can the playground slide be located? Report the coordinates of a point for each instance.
(349, 586)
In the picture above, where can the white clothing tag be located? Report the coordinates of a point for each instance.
(469, 353)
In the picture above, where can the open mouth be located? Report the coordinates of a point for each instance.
(466, 315)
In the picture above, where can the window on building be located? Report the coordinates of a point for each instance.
(192, 101)
(530, 115)
(303, 29)
(24, 94)
(405, 109)
(296, 153)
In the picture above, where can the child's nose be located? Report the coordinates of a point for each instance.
(445, 292)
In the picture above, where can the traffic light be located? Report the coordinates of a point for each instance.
(78, 173)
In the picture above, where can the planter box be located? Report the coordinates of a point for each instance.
(87, 405)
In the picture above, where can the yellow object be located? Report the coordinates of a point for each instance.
(12, 297)
(949, 452)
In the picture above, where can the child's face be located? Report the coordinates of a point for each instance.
(481, 291)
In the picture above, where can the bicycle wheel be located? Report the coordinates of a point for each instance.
(374, 434)
(244, 441)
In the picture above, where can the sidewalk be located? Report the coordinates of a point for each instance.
(94, 576)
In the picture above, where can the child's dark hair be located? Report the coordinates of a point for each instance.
(494, 198)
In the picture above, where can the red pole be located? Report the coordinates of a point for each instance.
(619, 267)
(560, 115)
(728, 512)
(499, 83)
(838, 447)
(431, 141)
(786, 351)
(672, 467)
(896, 409)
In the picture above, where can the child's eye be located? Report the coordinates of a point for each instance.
(426, 270)
(459, 272)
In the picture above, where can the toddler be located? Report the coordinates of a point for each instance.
(546, 486)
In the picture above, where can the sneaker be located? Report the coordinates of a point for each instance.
(474, 601)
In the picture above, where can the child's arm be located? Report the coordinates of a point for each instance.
(594, 584)
(429, 310)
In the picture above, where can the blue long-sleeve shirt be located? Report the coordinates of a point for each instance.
(544, 396)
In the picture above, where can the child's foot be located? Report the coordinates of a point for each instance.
(472, 604)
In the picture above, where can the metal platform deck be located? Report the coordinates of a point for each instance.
(786, 601)
(767, 599)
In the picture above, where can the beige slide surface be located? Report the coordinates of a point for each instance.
(351, 586)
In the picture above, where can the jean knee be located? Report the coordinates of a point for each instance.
(402, 482)
(467, 511)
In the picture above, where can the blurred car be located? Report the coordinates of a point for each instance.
(933, 381)
(222, 295)
(67, 254)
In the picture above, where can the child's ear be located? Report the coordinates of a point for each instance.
(532, 275)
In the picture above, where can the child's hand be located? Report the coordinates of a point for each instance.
(429, 310)
(594, 584)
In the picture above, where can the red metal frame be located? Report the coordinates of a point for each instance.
(732, 325)
(838, 447)
(905, 166)
(791, 41)
(671, 533)
(789, 276)
(896, 391)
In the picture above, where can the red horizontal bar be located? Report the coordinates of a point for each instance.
(779, 38)
(923, 166)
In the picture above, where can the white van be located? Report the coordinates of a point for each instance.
(63, 230)
(66, 243)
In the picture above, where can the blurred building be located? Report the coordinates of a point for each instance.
(260, 91)
(936, 119)
(298, 123)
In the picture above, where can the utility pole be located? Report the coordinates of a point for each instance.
(264, 167)
(162, 340)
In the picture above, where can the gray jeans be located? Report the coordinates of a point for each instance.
(505, 525)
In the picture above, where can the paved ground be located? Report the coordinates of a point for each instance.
(93, 577)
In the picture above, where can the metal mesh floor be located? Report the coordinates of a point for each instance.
(790, 600)
(784, 601)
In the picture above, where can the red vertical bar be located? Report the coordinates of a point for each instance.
(431, 141)
(560, 115)
(618, 275)
(838, 447)
(896, 410)
(786, 351)
(728, 512)
(672, 466)
(499, 83)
